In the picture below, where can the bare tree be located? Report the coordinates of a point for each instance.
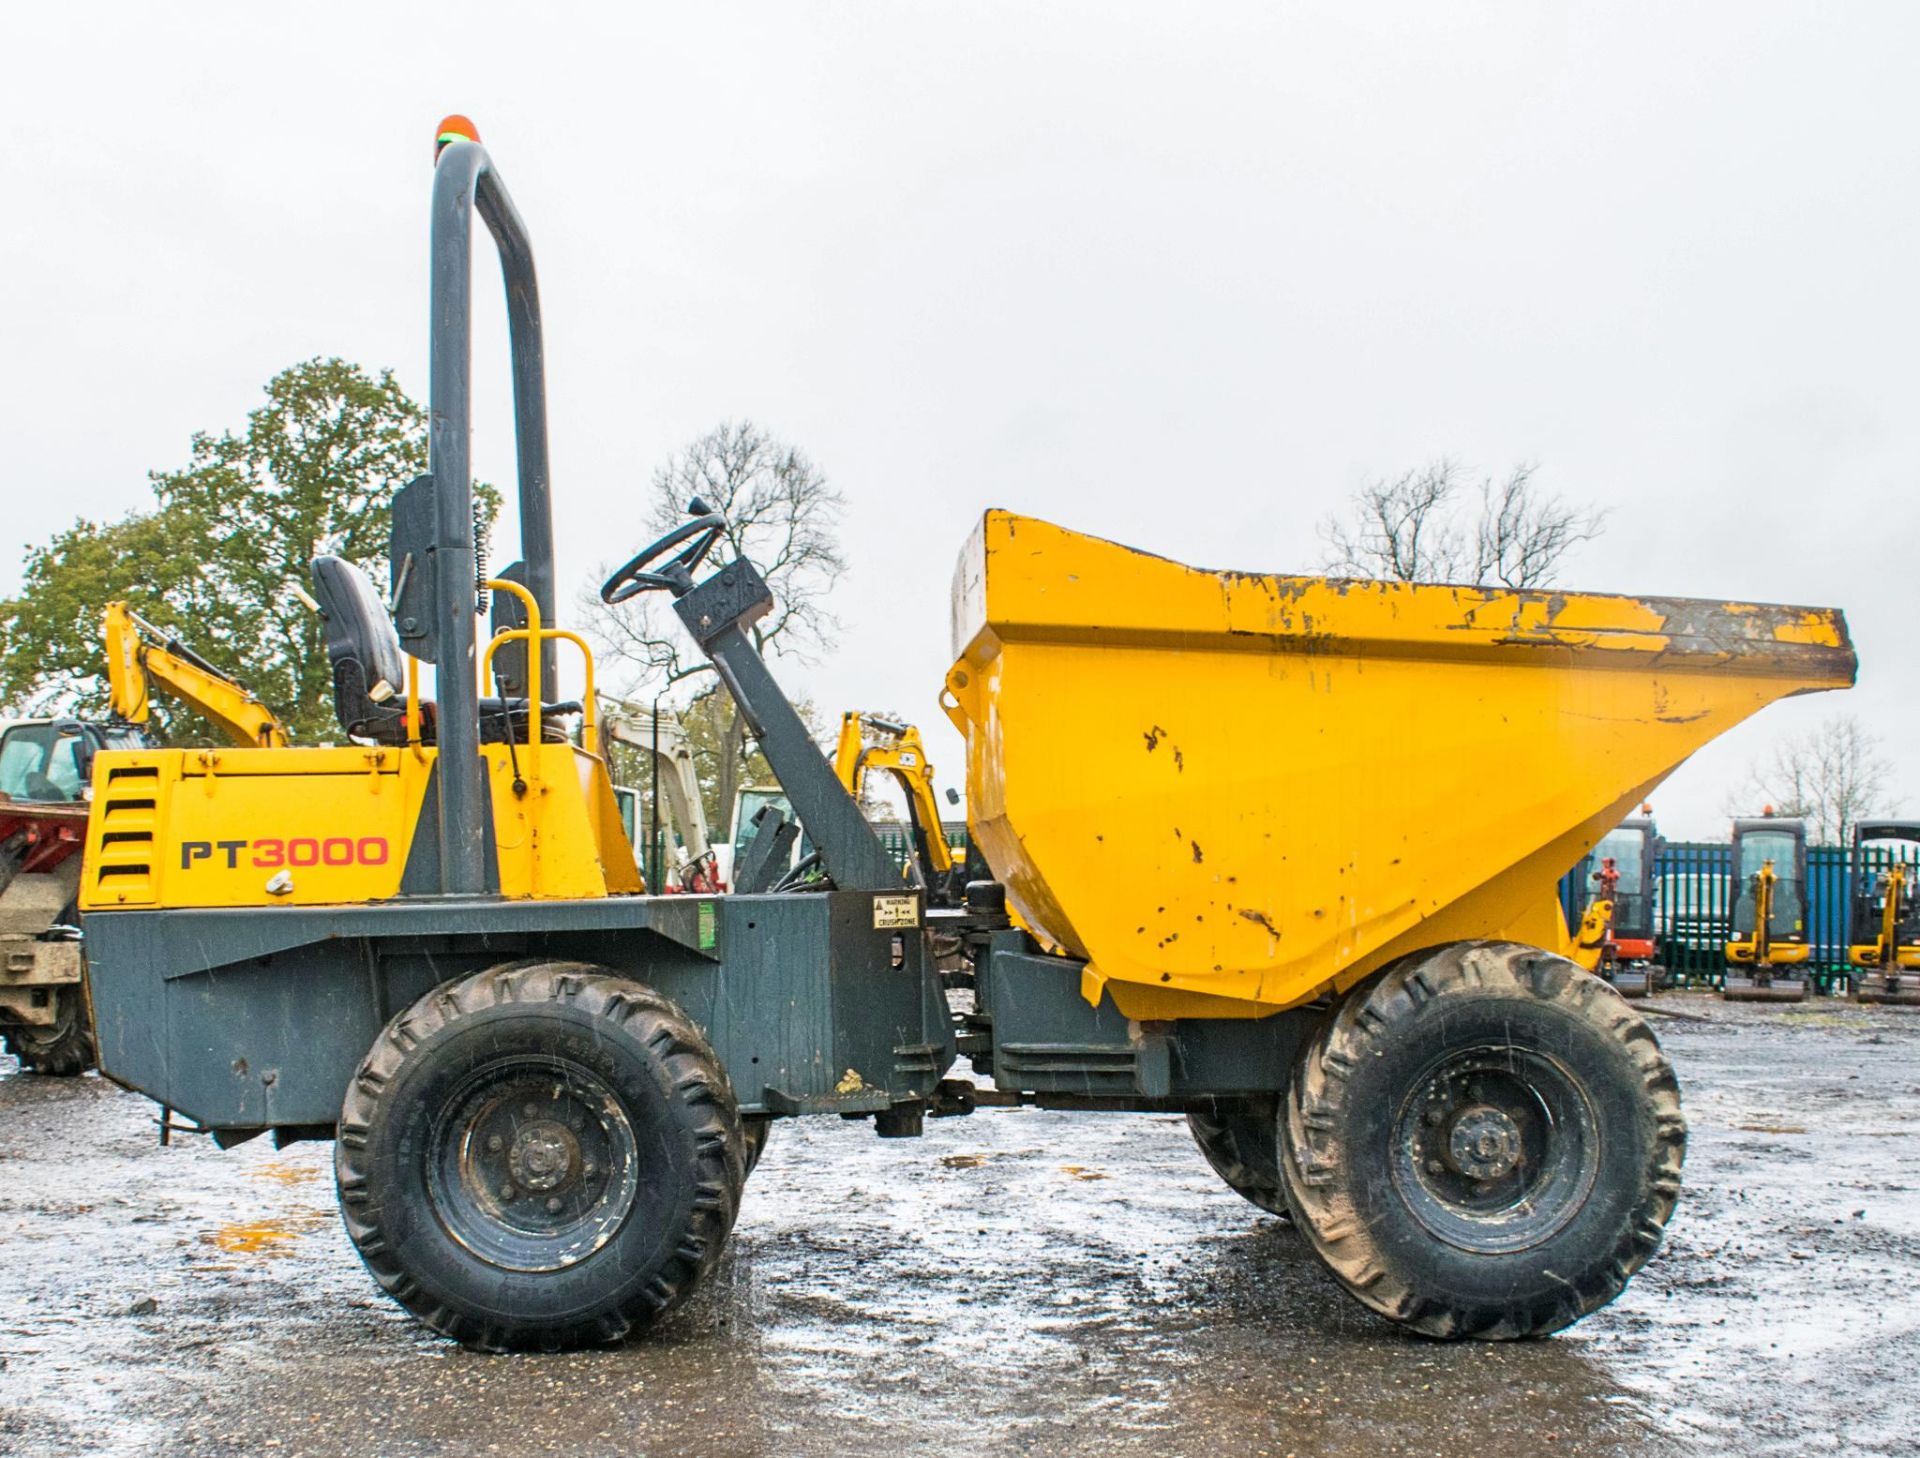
(780, 511)
(1410, 529)
(1832, 776)
(1400, 529)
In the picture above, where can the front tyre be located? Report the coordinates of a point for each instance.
(1483, 1141)
(539, 1156)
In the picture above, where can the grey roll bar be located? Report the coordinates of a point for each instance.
(465, 182)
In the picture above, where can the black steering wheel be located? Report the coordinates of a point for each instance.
(639, 575)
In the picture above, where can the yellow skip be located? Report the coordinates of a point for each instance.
(1230, 791)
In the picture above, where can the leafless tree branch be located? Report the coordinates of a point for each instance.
(782, 515)
(1832, 776)
(1410, 529)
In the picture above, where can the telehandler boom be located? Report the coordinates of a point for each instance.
(1250, 886)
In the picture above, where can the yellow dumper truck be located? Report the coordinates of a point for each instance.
(1275, 852)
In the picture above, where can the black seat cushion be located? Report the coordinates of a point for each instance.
(370, 671)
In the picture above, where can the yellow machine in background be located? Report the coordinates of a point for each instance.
(278, 825)
(142, 657)
(871, 744)
(1884, 921)
(1589, 943)
(1760, 947)
(1887, 953)
(1769, 911)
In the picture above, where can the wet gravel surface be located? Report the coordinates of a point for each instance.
(1015, 1283)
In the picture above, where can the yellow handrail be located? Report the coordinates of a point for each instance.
(532, 635)
(416, 734)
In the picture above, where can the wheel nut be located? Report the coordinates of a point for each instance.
(553, 1204)
(1434, 1116)
(506, 1192)
(530, 1110)
(1434, 1166)
(587, 1169)
(495, 1143)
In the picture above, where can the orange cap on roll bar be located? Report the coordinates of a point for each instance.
(455, 128)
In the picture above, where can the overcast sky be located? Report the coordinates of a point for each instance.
(1183, 276)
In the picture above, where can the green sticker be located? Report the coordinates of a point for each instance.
(706, 926)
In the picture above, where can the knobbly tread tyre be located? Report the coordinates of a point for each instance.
(754, 1129)
(1240, 1138)
(1346, 1202)
(62, 1051)
(621, 1289)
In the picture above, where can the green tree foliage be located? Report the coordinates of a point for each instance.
(229, 535)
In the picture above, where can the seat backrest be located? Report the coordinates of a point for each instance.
(369, 670)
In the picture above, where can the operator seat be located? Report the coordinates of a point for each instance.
(370, 671)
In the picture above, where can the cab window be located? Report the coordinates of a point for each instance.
(38, 763)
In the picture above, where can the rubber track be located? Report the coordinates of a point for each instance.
(1371, 1015)
(659, 1024)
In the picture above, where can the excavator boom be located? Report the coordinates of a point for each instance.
(869, 743)
(142, 657)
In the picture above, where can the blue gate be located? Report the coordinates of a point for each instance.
(1693, 908)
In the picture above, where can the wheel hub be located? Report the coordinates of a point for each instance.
(1484, 1144)
(534, 1165)
(1496, 1147)
(545, 1155)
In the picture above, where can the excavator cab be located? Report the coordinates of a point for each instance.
(1620, 876)
(48, 761)
(1769, 868)
(1884, 929)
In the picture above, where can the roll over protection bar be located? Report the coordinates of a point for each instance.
(464, 182)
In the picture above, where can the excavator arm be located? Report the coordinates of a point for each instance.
(142, 658)
(897, 750)
(672, 752)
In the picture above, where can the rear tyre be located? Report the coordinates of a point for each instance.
(540, 1156)
(1241, 1139)
(1484, 1141)
(63, 1049)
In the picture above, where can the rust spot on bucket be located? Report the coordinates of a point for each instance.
(1261, 918)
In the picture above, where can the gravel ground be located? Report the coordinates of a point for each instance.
(1018, 1282)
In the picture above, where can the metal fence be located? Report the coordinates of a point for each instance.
(1693, 906)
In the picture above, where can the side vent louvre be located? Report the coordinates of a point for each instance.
(127, 816)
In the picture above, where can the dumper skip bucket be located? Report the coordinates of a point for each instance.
(1229, 792)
